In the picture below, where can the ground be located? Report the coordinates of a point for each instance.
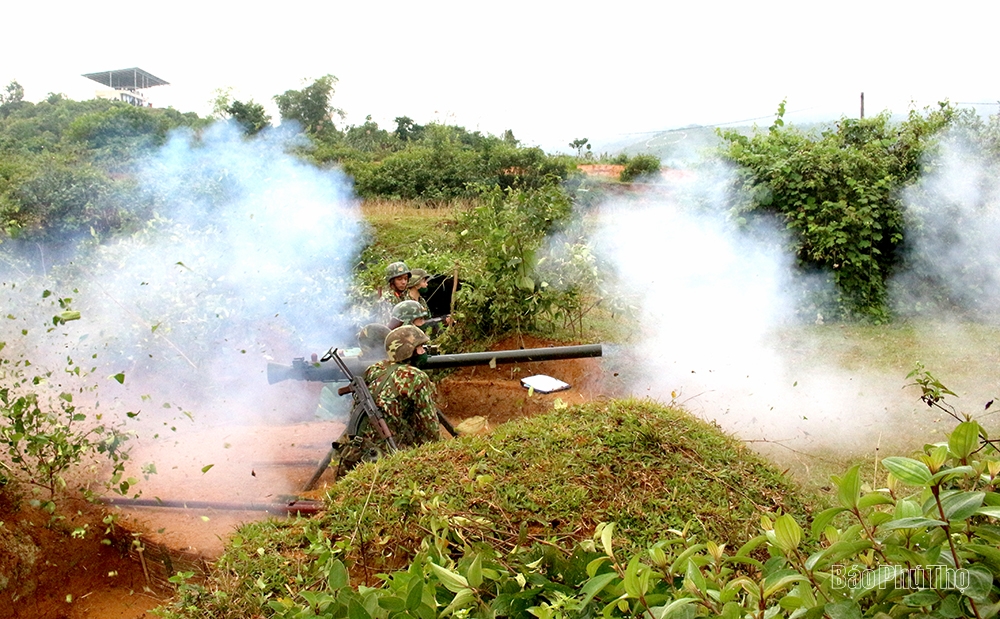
(257, 461)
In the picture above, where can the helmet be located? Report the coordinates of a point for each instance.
(416, 275)
(401, 343)
(408, 311)
(372, 337)
(396, 269)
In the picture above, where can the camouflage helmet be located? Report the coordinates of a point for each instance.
(408, 311)
(396, 269)
(401, 343)
(416, 275)
(372, 337)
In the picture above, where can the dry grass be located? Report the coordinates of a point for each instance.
(375, 209)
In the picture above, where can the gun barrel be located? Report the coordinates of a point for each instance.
(329, 372)
(438, 362)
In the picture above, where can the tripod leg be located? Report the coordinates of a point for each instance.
(323, 465)
(447, 424)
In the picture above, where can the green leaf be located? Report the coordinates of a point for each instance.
(846, 609)
(463, 598)
(912, 523)
(780, 580)
(606, 534)
(415, 595)
(976, 583)
(631, 581)
(120, 377)
(876, 579)
(338, 577)
(961, 505)
(849, 487)
(452, 581)
(695, 576)
(787, 533)
(664, 612)
(475, 573)
(992, 512)
(207, 468)
(356, 611)
(595, 585)
(908, 470)
(824, 518)
(392, 603)
(964, 439)
(874, 498)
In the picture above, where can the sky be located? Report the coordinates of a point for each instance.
(551, 71)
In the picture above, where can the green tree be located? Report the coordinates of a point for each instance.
(311, 106)
(407, 130)
(368, 137)
(12, 99)
(250, 115)
(838, 194)
(579, 145)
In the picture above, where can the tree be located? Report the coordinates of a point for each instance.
(407, 130)
(250, 115)
(311, 107)
(12, 100)
(15, 93)
(579, 144)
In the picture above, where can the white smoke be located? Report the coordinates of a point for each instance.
(953, 223)
(247, 260)
(719, 330)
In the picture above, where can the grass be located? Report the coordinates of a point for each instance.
(546, 481)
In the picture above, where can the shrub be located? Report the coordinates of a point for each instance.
(639, 166)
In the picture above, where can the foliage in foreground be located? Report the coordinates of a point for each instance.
(925, 546)
(544, 482)
(43, 435)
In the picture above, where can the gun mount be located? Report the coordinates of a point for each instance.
(327, 371)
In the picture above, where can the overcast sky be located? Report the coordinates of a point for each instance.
(550, 71)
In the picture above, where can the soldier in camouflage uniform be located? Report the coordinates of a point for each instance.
(417, 287)
(397, 276)
(404, 393)
(408, 312)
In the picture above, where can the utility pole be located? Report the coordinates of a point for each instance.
(862, 105)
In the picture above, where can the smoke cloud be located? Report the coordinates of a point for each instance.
(247, 260)
(722, 329)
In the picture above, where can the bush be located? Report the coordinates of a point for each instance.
(838, 193)
(639, 166)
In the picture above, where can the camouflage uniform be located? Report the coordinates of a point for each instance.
(406, 396)
(403, 393)
(417, 276)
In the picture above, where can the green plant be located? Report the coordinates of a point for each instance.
(43, 434)
(640, 166)
(838, 193)
(504, 234)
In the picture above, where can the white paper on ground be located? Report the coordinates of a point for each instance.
(543, 384)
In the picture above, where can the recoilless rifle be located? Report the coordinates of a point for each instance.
(352, 370)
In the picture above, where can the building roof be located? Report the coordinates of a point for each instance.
(132, 79)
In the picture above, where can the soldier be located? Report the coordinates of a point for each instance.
(408, 312)
(403, 392)
(371, 340)
(417, 287)
(397, 276)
